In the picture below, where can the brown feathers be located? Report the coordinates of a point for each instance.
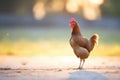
(81, 45)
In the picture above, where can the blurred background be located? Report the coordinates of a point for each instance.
(41, 27)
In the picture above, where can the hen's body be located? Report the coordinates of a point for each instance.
(81, 46)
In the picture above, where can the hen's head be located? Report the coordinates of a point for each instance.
(72, 23)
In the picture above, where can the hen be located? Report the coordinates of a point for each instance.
(81, 45)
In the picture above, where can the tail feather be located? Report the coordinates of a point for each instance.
(95, 39)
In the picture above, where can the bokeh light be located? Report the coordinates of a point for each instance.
(39, 10)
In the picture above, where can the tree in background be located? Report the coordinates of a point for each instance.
(90, 9)
(111, 7)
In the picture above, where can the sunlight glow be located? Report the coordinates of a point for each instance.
(57, 5)
(72, 6)
(89, 8)
(52, 48)
(91, 13)
(97, 2)
(39, 10)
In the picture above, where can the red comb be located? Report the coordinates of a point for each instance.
(72, 19)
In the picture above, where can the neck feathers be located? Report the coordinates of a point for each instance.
(76, 29)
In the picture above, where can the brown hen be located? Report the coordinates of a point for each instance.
(81, 45)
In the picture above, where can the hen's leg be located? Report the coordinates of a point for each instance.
(80, 64)
(83, 63)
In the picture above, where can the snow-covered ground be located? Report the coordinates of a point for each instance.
(58, 68)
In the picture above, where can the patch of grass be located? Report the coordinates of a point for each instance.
(54, 42)
(106, 50)
(53, 48)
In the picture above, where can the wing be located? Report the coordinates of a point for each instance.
(82, 42)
